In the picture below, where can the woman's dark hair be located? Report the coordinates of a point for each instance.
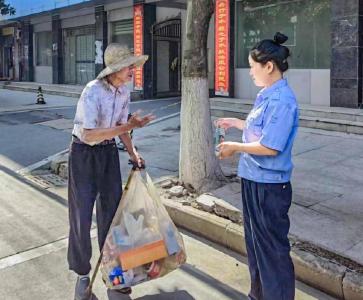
(272, 50)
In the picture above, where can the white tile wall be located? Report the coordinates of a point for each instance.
(310, 86)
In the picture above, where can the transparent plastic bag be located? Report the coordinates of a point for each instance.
(143, 243)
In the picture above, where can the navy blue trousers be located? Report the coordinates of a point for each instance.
(94, 173)
(266, 225)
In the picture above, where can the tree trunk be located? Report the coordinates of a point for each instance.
(198, 164)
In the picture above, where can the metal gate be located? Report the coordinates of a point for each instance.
(166, 54)
(79, 55)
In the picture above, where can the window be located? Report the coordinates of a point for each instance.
(123, 33)
(305, 22)
(43, 41)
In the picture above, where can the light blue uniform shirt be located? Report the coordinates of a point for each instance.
(273, 122)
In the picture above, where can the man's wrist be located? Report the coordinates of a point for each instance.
(125, 128)
(133, 152)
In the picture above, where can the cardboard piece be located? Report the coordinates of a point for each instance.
(143, 255)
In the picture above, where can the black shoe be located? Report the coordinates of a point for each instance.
(126, 291)
(81, 292)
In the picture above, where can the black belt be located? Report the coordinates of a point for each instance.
(76, 140)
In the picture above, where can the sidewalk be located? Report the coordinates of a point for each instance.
(327, 202)
(33, 256)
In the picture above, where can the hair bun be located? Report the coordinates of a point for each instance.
(280, 38)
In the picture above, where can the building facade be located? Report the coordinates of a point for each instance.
(66, 45)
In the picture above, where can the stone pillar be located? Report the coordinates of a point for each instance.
(57, 50)
(347, 53)
(27, 64)
(100, 37)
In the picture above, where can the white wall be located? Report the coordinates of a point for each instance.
(120, 14)
(43, 74)
(39, 20)
(164, 13)
(66, 14)
(118, 4)
(79, 21)
(310, 86)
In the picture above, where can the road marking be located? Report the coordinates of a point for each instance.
(164, 118)
(36, 252)
(39, 164)
(22, 109)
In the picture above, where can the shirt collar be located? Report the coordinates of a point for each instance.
(266, 92)
(111, 88)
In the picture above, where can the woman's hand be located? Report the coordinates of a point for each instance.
(227, 149)
(227, 123)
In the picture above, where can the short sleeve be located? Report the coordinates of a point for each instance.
(125, 108)
(279, 121)
(89, 106)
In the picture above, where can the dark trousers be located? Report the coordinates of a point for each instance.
(94, 172)
(266, 225)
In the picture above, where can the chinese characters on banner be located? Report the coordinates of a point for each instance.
(222, 46)
(138, 44)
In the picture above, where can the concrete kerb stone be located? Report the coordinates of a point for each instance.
(200, 222)
(59, 163)
(50, 162)
(319, 272)
(353, 286)
(310, 268)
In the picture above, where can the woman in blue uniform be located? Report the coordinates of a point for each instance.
(265, 169)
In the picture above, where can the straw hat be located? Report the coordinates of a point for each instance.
(118, 57)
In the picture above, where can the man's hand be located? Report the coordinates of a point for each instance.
(137, 121)
(136, 158)
(227, 149)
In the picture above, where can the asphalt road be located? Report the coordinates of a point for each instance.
(25, 138)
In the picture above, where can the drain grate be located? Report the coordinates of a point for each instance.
(47, 180)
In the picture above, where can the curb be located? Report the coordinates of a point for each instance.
(43, 163)
(45, 91)
(72, 94)
(316, 271)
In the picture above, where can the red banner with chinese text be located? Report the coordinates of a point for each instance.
(222, 47)
(138, 44)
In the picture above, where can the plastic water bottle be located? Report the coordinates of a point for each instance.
(220, 133)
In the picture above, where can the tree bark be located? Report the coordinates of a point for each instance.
(198, 164)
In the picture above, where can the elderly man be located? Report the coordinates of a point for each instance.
(94, 169)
